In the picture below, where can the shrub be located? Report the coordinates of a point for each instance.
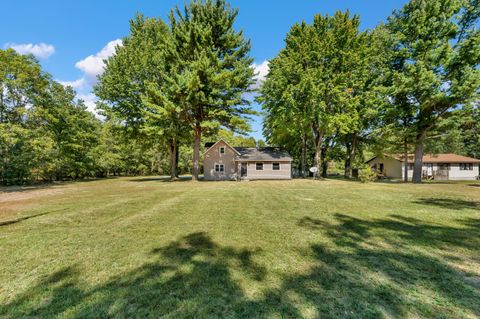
(367, 175)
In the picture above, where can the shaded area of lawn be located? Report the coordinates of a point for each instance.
(449, 203)
(161, 179)
(47, 185)
(17, 220)
(291, 249)
(188, 278)
(371, 277)
(355, 275)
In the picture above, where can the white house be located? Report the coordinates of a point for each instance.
(438, 166)
(224, 162)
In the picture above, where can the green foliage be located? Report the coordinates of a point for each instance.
(134, 86)
(16, 148)
(21, 84)
(367, 175)
(324, 82)
(212, 70)
(457, 132)
(139, 62)
(233, 139)
(189, 78)
(437, 58)
(332, 94)
(46, 135)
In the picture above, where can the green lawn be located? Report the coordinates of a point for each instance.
(136, 248)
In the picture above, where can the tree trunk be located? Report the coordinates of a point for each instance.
(348, 161)
(318, 139)
(324, 161)
(417, 166)
(173, 158)
(405, 163)
(351, 153)
(304, 155)
(177, 159)
(196, 153)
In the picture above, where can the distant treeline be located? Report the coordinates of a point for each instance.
(46, 135)
(410, 85)
(333, 93)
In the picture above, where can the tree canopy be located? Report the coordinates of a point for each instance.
(189, 77)
(333, 94)
(437, 51)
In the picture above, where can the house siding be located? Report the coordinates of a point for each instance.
(285, 171)
(395, 169)
(213, 156)
(232, 163)
(425, 167)
(454, 173)
(391, 167)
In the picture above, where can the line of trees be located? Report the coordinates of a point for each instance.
(180, 81)
(167, 87)
(334, 90)
(47, 135)
(333, 93)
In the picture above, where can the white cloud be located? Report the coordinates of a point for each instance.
(41, 50)
(261, 71)
(93, 65)
(90, 99)
(77, 84)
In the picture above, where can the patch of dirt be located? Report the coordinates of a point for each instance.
(13, 200)
(27, 193)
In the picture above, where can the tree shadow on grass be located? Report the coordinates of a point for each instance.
(392, 267)
(448, 203)
(14, 221)
(189, 278)
(366, 269)
(47, 185)
(165, 179)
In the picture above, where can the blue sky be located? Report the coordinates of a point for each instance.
(70, 38)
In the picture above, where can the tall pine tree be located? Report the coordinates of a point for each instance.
(213, 70)
(438, 57)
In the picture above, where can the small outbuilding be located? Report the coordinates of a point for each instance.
(435, 166)
(224, 162)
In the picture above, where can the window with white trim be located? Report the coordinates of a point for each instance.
(275, 166)
(219, 168)
(222, 150)
(259, 166)
(466, 166)
(444, 166)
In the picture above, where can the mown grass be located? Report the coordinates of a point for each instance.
(139, 248)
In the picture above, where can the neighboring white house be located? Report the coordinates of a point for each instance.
(439, 166)
(224, 162)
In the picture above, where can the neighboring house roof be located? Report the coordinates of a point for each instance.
(435, 158)
(263, 154)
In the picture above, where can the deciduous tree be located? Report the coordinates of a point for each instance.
(438, 49)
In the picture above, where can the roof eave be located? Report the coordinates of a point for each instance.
(221, 140)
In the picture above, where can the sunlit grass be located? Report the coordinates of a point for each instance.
(133, 247)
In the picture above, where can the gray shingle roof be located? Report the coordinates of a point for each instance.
(262, 154)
